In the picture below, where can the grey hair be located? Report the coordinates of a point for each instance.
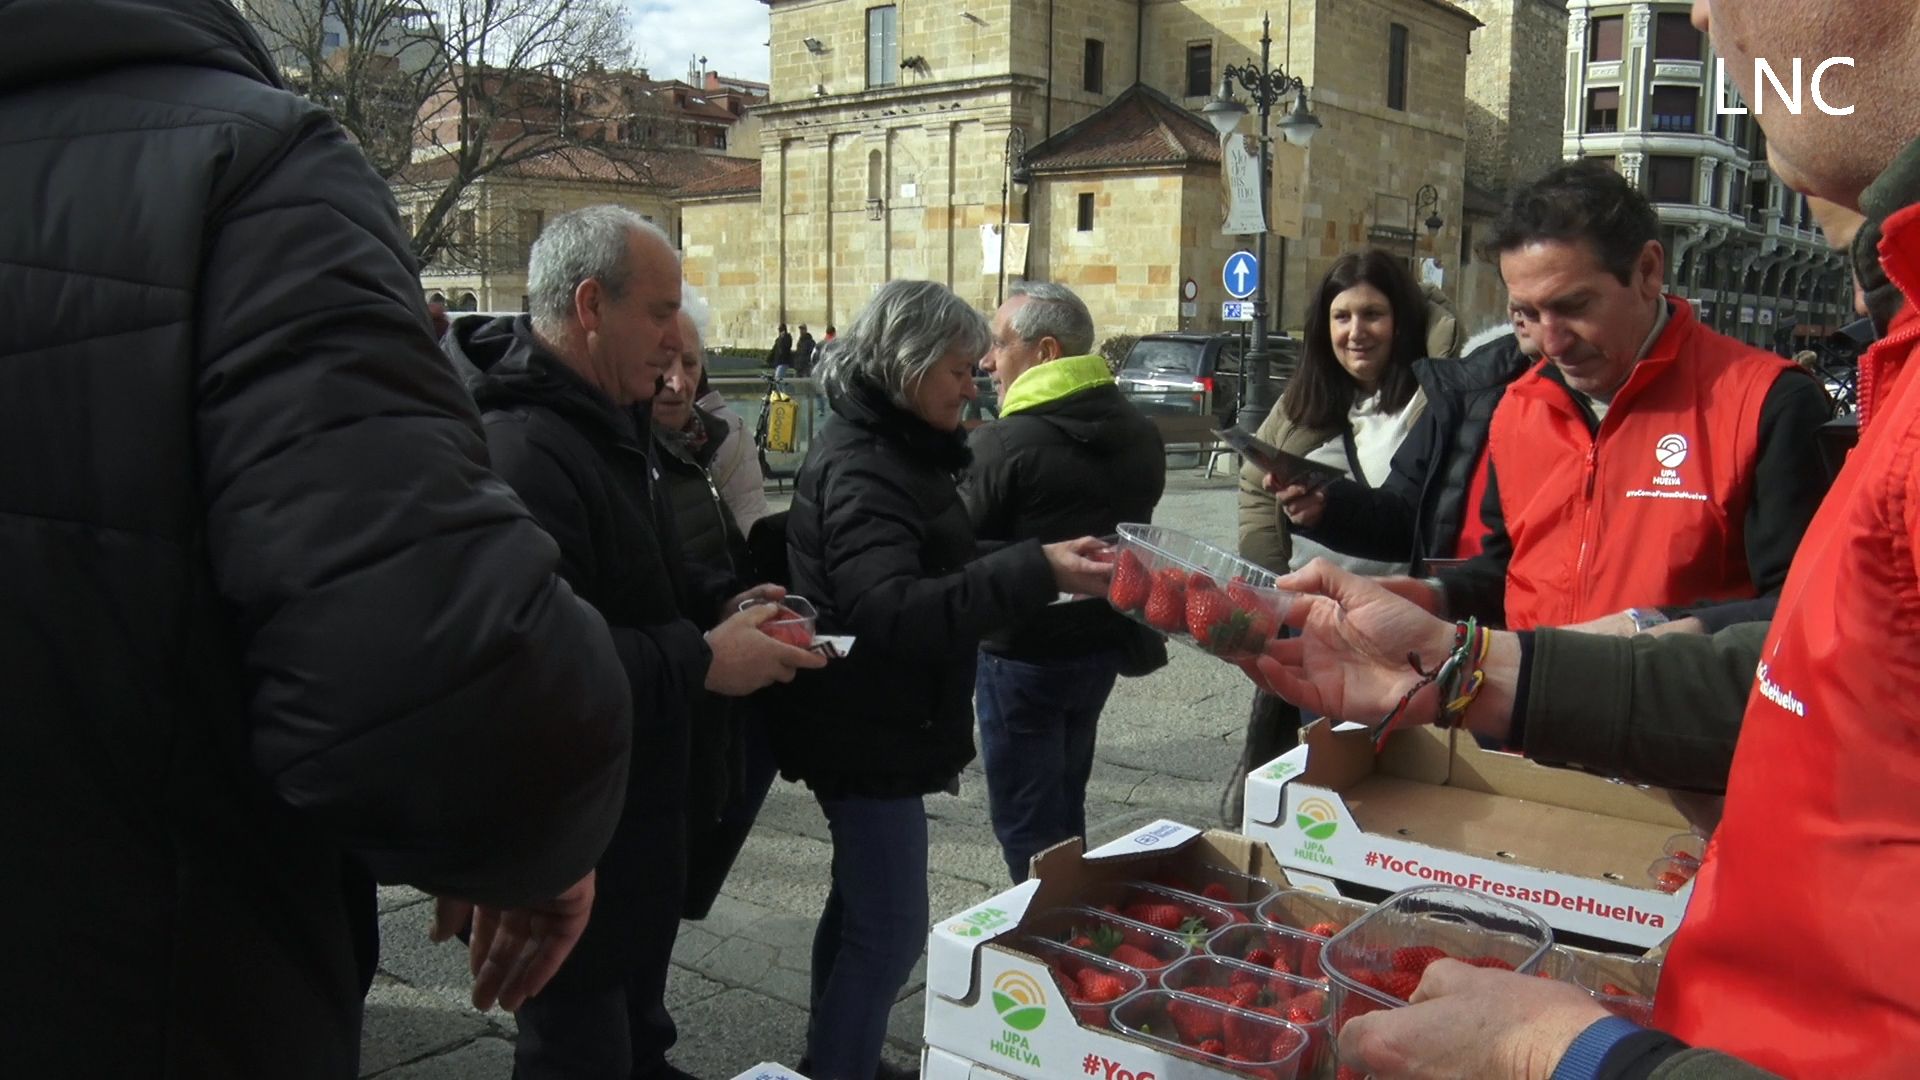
(898, 337)
(1053, 311)
(578, 245)
(696, 308)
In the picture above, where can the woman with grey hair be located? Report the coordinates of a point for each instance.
(879, 540)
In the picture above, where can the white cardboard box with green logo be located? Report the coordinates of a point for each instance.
(990, 1004)
(1430, 809)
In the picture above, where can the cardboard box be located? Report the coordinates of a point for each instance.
(767, 1070)
(1572, 847)
(940, 1065)
(990, 1005)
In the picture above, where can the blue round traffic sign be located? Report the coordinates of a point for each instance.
(1241, 275)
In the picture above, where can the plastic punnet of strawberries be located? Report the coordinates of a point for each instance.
(1123, 942)
(1089, 983)
(1234, 620)
(1230, 889)
(1302, 1002)
(1256, 1043)
(1289, 952)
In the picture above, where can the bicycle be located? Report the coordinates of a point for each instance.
(778, 428)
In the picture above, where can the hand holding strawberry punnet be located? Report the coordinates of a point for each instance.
(1076, 568)
(1470, 1021)
(1349, 659)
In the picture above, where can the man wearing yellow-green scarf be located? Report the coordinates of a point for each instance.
(1069, 456)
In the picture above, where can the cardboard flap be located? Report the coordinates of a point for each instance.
(1266, 786)
(1161, 836)
(951, 945)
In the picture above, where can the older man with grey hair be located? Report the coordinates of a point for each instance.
(1069, 456)
(564, 394)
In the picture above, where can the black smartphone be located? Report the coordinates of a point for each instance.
(1290, 468)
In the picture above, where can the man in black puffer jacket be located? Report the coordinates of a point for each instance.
(563, 394)
(273, 630)
(1429, 505)
(1070, 456)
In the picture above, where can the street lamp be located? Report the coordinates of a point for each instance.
(1014, 171)
(1427, 198)
(1267, 86)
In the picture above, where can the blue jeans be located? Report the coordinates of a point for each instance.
(1037, 727)
(871, 932)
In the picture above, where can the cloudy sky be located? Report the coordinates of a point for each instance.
(731, 34)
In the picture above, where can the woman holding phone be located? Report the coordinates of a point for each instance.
(1348, 407)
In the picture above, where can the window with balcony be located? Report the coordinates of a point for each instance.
(883, 46)
(1094, 80)
(1674, 37)
(1737, 195)
(1396, 66)
(1603, 39)
(1085, 219)
(1200, 69)
(1670, 179)
(1603, 109)
(1674, 108)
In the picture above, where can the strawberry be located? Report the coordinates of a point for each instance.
(1102, 941)
(1222, 994)
(1416, 958)
(1400, 984)
(1323, 929)
(1348, 1072)
(1308, 1008)
(1216, 625)
(1242, 593)
(1217, 891)
(1097, 987)
(1158, 916)
(1193, 1021)
(1490, 962)
(1177, 884)
(1247, 1036)
(1261, 957)
(1080, 941)
(1670, 881)
(1167, 602)
(1135, 957)
(1130, 586)
(1211, 1046)
(787, 630)
(1245, 994)
(1614, 990)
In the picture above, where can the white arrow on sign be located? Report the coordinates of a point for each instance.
(1241, 275)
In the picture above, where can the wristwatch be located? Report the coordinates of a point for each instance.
(1645, 619)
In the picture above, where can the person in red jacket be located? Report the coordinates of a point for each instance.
(1642, 423)
(1793, 955)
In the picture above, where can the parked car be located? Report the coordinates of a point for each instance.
(1188, 374)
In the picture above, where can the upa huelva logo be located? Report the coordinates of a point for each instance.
(1019, 1000)
(1316, 818)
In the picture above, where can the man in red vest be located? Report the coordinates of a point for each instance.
(1795, 955)
(1649, 462)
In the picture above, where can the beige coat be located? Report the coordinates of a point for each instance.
(1264, 537)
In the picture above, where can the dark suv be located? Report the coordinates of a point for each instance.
(1189, 374)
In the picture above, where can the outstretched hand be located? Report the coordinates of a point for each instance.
(1349, 657)
(513, 952)
(1469, 1021)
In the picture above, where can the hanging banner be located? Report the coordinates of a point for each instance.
(1240, 170)
(1016, 249)
(1286, 213)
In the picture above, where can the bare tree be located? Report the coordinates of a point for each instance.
(441, 94)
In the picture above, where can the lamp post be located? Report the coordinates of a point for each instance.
(1267, 86)
(1427, 198)
(1013, 172)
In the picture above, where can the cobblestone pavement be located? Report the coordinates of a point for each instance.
(739, 983)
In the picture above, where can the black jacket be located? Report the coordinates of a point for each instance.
(1420, 510)
(581, 465)
(879, 540)
(803, 354)
(1074, 466)
(709, 536)
(271, 628)
(782, 351)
